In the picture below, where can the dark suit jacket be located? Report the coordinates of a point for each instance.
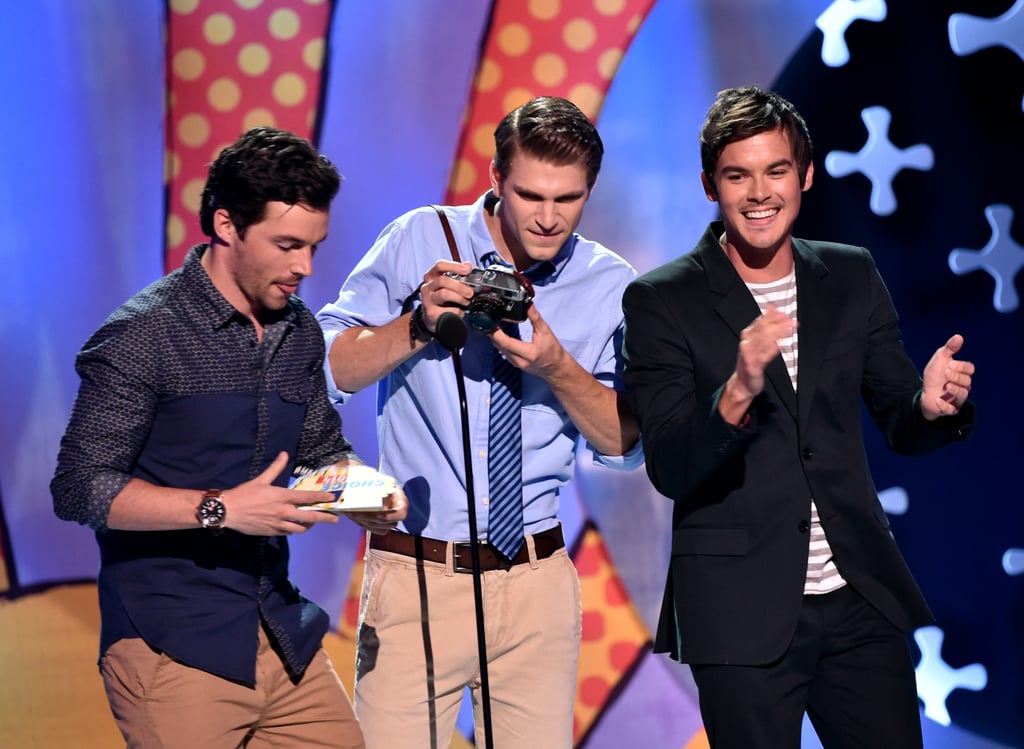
(743, 495)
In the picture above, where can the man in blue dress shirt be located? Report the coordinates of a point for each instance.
(417, 647)
(199, 396)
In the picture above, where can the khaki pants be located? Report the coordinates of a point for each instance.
(159, 703)
(418, 650)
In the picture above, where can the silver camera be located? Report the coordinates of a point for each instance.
(498, 294)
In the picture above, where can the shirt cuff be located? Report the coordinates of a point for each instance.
(628, 462)
(338, 396)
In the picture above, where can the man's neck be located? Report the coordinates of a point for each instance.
(492, 217)
(216, 268)
(759, 266)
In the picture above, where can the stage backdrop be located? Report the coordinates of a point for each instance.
(113, 107)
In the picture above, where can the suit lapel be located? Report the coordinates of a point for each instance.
(738, 309)
(814, 310)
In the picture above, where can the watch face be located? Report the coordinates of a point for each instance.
(211, 511)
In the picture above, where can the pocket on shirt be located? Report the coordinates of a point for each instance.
(295, 392)
(286, 414)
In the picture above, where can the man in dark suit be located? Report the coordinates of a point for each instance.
(746, 361)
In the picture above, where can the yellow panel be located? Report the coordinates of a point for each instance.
(51, 693)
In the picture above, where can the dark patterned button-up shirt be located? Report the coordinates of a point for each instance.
(177, 390)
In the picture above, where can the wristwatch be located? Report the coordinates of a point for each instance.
(211, 511)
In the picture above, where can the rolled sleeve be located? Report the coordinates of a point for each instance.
(629, 461)
(109, 424)
(336, 395)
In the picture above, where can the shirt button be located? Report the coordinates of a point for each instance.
(483, 453)
(804, 526)
(486, 501)
(807, 453)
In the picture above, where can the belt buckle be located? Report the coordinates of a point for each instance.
(457, 549)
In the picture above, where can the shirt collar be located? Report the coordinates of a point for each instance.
(217, 310)
(539, 272)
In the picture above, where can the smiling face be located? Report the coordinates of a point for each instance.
(263, 268)
(540, 207)
(757, 185)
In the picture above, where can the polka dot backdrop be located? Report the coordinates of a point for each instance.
(232, 65)
(614, 635)
(539, 48)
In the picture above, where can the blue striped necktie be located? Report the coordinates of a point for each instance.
(505, 455)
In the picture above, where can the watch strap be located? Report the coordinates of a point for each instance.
(418, 330)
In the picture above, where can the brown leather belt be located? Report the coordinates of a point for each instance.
(545, 543)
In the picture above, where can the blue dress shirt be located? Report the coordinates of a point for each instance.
(419, 426)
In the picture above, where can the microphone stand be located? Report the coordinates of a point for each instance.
(451, 334)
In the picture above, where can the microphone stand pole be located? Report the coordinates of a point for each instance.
(451, 334)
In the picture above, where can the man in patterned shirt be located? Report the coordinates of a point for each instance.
(199, 396)
(786, 592)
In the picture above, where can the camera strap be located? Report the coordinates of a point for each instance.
(448, 233)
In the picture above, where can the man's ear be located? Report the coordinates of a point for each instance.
(495, 177)
(223, 227)
(709, 187)
(809, 177)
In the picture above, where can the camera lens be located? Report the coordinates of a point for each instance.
(483, 313)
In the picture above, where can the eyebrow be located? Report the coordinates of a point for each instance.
(773, 165)
(524, 193)
(291, 239)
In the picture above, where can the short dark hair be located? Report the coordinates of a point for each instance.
(739, 113)
(552, 129)
(266, 165)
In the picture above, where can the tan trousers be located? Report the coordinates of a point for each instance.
(159, 703)
(418, 650)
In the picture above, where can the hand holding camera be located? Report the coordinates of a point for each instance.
(490, 296)
(499, 294)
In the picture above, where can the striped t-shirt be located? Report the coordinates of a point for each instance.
(822, 574)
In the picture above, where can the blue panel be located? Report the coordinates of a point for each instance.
(81, 229)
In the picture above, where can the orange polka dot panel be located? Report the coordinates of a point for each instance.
(567, 48)
(614, 636)
(232, 65)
